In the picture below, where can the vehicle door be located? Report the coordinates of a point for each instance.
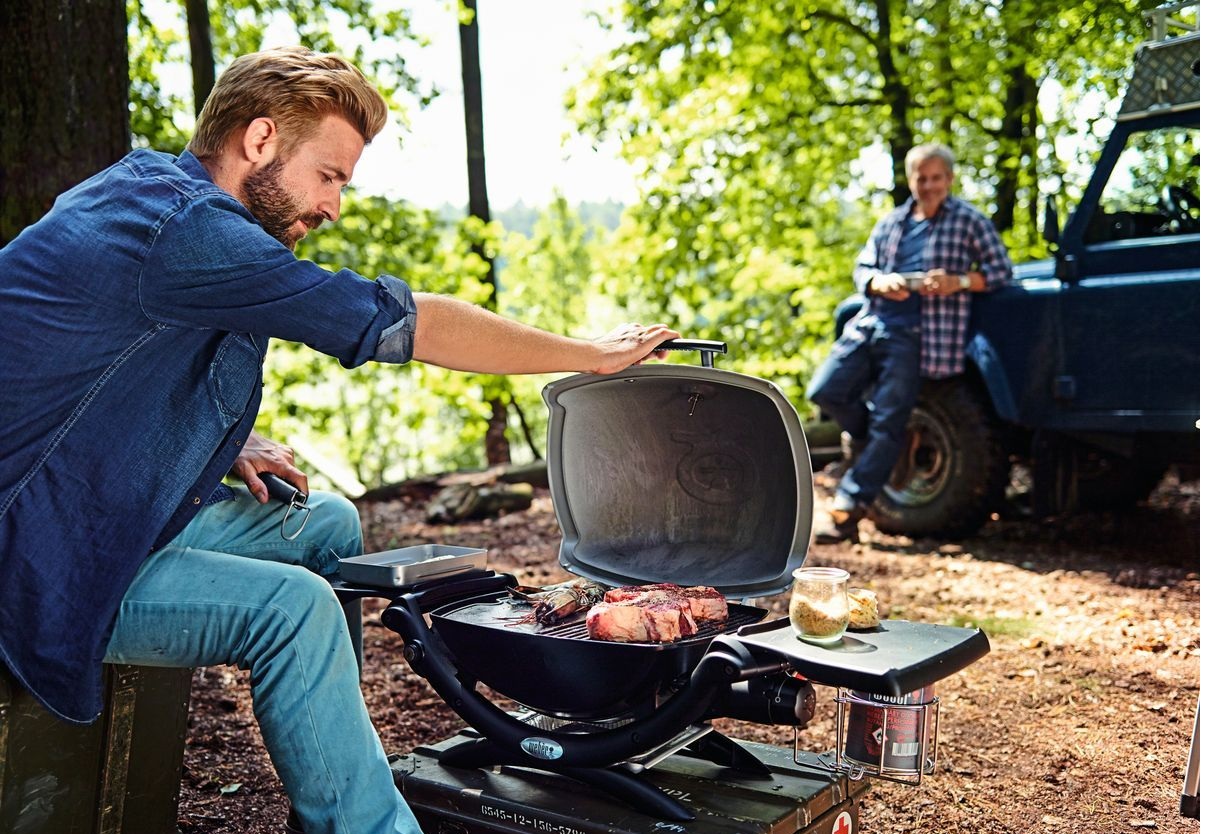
(1129, 307)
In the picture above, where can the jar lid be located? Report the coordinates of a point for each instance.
(821, 574)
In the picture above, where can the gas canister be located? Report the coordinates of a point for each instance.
(889, 736)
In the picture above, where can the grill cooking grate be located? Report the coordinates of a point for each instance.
(737, 616)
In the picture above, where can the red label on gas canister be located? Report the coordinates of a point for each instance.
(888, 732)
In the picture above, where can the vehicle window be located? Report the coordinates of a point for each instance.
(1153, 190)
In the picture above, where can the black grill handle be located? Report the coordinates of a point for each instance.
(282, 490)
(706, 346)
(428, 596)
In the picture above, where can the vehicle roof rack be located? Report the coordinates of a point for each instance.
(1166, 68)
(1167, 21)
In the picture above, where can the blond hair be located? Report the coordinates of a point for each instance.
(932, 150)
(294, 87)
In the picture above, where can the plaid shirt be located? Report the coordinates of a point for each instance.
(962, 240)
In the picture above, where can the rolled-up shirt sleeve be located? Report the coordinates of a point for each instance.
(398, 341)
(991, 255)
(210, 264)
(868, 264)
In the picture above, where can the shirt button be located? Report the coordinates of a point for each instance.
(239, 443)
(197, 500)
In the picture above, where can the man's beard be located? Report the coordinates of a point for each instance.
(273, 206)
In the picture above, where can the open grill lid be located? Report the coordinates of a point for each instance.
(675, 473)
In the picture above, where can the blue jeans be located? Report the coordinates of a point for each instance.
(869, 384)
(230, 590)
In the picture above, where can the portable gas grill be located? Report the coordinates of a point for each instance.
(662, 473)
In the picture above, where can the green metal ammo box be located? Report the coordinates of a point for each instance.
(119, 775)
(792, 799)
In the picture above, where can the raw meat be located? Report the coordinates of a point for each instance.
(658, 613)
(640, 621)
(705, 604)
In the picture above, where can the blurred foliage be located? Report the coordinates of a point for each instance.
(366, 32)
(387, 422)
(769, 135)
(762, 130)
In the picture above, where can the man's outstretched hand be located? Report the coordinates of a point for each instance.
(631, 344)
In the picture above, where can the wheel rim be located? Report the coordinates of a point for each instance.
(925, 464)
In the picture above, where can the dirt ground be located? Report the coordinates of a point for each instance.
(1079, 719)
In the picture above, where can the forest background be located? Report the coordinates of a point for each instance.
(749, 123)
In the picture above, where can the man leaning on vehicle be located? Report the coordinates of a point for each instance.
(908, 328)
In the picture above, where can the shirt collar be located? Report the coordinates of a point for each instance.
(192, 166)
(945, 206)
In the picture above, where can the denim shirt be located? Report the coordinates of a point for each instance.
(134, 319)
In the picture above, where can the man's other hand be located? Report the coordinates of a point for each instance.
(940, 282)
(890, 285)
(263, 455)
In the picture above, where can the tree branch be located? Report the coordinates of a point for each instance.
(841, 20)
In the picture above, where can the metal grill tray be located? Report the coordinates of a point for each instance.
(409, 565)
(895, 658)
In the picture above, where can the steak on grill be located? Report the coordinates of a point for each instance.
(705, 604)
(640, 621)
(654, 613)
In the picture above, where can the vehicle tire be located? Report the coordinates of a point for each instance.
(1069, 476)
(1106, 481)
(953, 469)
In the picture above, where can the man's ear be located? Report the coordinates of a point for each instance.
(260, 141)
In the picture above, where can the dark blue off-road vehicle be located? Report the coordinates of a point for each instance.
(1085, 368)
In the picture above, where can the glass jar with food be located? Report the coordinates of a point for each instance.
(819, 604)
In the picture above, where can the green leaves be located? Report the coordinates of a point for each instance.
(361, 30)
(766, 131)
(769, 136)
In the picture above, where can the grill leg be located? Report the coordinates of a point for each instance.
(617, 781)
(352, 612)
(721, 750)
(350, 603)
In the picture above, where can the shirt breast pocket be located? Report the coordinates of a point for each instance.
(235, 374)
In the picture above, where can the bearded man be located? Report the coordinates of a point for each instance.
(136, 315)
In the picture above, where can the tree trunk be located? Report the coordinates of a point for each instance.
(63, 92)
(1019, 101)
(476, 168)
(496, 442)
(898, 98)
(201, 52)
(946, 74)
(498, 450)
(1030, 148)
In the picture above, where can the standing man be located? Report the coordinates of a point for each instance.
(136, 317)
(870, 380)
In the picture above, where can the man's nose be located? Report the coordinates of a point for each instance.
(329, 207)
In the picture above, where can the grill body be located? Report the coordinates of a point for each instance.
(557, 670)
